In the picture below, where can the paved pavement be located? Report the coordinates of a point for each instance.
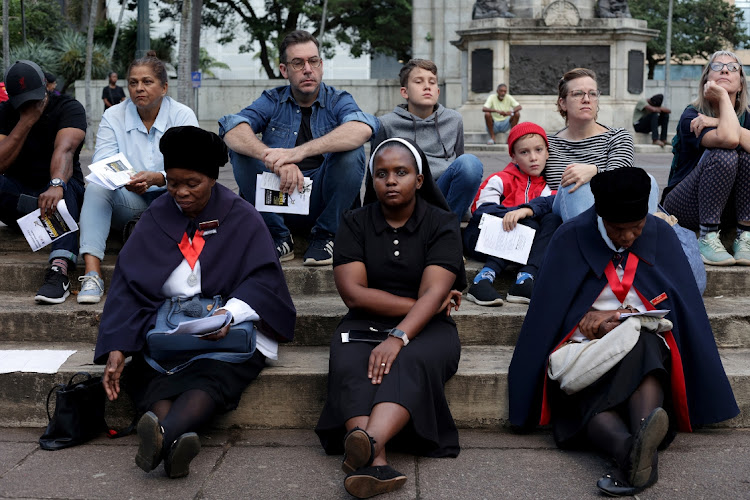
(280, 464)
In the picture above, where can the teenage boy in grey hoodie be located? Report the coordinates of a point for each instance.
(437, 130)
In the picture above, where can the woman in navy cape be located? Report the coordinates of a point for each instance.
(237, 261)
(681, 371)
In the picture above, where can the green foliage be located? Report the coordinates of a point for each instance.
(366, 26)
(206, 62)
(699, 28)
(44, 20)
(41, 53)
(126, 44)
(71, 48)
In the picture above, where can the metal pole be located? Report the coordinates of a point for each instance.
(143, 42)
(668, 55)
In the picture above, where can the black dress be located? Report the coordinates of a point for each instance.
(395, 260)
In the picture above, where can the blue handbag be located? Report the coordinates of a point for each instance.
(169, 354)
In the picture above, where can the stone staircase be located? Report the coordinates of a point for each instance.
(290, 393)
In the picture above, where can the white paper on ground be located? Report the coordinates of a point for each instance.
(512, 245)
(41, 231)
(32, 361)
(656, 313)
(269, 198)
(111, 173)
(203, 326)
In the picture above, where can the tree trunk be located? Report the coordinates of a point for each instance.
(117, 31)
(89, 57)
(195, 33)
(6, 39)
(184, 83)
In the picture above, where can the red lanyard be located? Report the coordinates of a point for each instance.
(621, 288)
(191, 251)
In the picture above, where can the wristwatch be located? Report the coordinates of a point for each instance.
(399, 334)
(57, 182)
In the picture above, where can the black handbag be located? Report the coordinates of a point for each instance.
(79, 414)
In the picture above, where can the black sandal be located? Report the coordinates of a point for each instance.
(359, 450)
(374, 480)
(184, 449)
(645, 443)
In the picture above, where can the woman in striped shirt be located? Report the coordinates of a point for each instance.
(584, 147)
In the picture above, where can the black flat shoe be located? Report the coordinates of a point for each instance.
(183, 451)
(609, 485)
(645, 443)
(151, 436)
(359, 450)
(374, 480)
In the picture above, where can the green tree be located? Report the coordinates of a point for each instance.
(43, 21)
(71, 47)
(699, 28)
(366, 26)
(126, 43)
(206, 62)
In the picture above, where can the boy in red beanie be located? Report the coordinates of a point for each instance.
(518, 194)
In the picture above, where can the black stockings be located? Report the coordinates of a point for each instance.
(187, 413)
(611, 431)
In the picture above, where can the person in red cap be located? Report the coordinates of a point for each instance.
(3, 92)
(518, 194)
(41, 136)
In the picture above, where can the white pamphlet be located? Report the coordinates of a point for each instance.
(269, 198)
(656, 313)
(203, 326)
(512, 245)
(41, 231)
(33, 361)
(111, 173)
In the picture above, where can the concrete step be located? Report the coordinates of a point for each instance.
(23, 273)
(317, 316)
(290, 393)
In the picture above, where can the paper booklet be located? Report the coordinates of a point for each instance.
(41, 231)
(269, 198)
(656, 313)
(512, 245)
(111, 173)
(203, 326)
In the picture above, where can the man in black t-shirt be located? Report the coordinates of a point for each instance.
(41, 136)
(112, 94)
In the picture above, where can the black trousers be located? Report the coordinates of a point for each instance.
(651, 123)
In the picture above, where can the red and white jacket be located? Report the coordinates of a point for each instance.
(510, 188)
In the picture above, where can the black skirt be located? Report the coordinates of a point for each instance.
(571, 413)
(224, 382)
(416, 381)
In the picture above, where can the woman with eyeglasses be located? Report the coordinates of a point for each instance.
(584, 147)
(709, 184)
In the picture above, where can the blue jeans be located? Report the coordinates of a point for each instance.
(501, 126)
(567, 205)
(460, 183)
(10, 190)
(336, 183)
(103, 209)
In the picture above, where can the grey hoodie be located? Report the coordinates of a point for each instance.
(440, 135)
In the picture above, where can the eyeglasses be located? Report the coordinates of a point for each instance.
(731, 66)
(578, 94)
(298, 64)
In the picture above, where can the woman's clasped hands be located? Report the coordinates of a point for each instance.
(596, 324)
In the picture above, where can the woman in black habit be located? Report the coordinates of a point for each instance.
(397, 265)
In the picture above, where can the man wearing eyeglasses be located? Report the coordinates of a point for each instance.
(501, 112)
(308, 129)
(649, 115)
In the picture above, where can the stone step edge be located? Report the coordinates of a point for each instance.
(477, 394)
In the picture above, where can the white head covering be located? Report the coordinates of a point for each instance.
(414, 152)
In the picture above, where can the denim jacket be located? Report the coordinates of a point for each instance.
(276, 115)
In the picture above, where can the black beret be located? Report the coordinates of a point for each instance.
(621, 195)
(193, 148)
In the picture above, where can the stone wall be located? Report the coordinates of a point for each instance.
(220, 97)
